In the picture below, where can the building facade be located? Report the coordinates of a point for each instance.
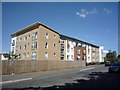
(36, 42)
(39, 42)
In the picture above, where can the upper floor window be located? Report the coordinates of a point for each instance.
(78, 57)
(72, 57)
(13, 43)
(79, 44)
(16, 40)
(25, 38)
(84, 52)
(78, 51)
(54, 45)
(28, 45)
(34, 45)
(46, 45)
(54, 36)
(84, 57)
(29, 35)
(20, 48)
(54, 54)
(68, 49)
(34, 36)
(46, 35)
(34, 55)
(28, 54)
(24, 47)
(20, 39)
(68, 57)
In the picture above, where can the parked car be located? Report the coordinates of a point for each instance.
(108, 63)
(115, 67)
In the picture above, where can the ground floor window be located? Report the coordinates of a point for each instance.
(34, 55)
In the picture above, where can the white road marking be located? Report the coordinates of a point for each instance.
(87, 69)
(15, 80)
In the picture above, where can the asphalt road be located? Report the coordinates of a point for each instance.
(85, 77)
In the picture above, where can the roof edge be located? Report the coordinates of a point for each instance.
(32, 25)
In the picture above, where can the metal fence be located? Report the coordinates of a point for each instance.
(27, 66)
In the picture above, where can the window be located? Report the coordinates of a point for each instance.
(34, 55)
(16, 40)
(34, 45)
(16, 48)
(54, 45)
(29, 35)
(28, 54)
(24, 55)
(13, 49)
(28, 45)
(84, 57)
(89, 51)
(47, 34)
(25, 38)
(84, 52)
(54, 54)
(68, 49)
(72, 57)
(20, 48)
(93, 54)
(83, 45)
(20, 39)
(78, 57)
(79, 44)
(62, 41)
(78, 51)
(46, 45)
(24, 47)
(72, 49)
(34, 36)
(68, 57)
(13, 43)
(54, 36)
(46, 55)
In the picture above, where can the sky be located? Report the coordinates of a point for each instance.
(96, 23)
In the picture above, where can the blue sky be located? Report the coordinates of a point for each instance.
(96, 23)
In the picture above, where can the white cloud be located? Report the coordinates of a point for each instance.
(107, 11)
(83, 13)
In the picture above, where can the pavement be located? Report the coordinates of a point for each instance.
(94, 76)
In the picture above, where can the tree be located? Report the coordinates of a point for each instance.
(111, 56)
(12, 56)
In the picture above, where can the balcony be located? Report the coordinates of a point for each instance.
(13, 44)
(62, 55)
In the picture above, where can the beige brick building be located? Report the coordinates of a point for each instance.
(36, 41)
(39, 42)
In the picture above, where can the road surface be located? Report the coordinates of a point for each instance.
(95, 76)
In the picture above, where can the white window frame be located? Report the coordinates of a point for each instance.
(54, 54)
(24, 55)
(54, 36)
(78, 51)
(46, 45)
(34, 55)
(35, 36)
(34, 45)
(47, 35)
(78, 57)
(46, 55)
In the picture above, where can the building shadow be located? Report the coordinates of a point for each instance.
(95, 80)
